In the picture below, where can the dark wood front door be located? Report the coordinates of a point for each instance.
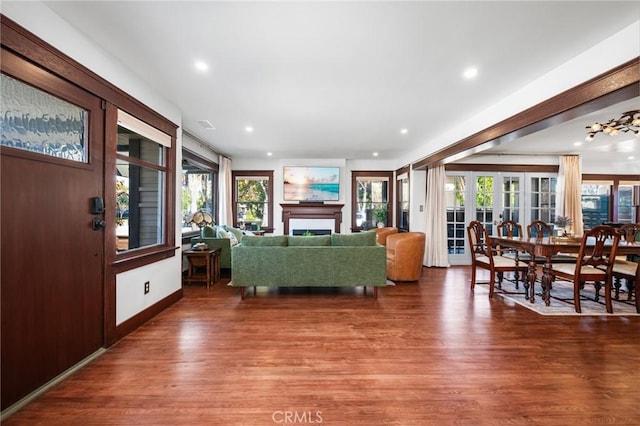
(52, 258)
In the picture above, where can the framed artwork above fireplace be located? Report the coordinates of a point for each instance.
(311, 184)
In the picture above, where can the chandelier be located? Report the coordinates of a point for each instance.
(628, 122)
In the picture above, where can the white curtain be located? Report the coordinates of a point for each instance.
(436, 253)
(569, 191)
(225, 188)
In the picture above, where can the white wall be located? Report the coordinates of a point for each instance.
(163, 276)
(346, 167)
(201, 148)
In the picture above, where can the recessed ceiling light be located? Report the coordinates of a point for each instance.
(470, 73)
(631, 157)
(375, 154)
(269, 154)
(404, 131)
(248, 129)
(578, 143)
(201, 66)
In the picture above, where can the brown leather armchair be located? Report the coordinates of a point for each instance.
(405, 253)
(383, 233)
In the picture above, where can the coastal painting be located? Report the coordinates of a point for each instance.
(311, 183)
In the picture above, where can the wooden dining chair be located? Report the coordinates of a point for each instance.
(539, 229)
(484, 256)
(594, 264)
(510, 229)
(628, 270)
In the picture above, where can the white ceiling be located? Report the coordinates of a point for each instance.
(340, 79)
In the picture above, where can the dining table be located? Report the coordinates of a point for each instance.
(548, 247)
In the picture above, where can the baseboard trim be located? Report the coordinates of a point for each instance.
(40, 390)
(137, 320)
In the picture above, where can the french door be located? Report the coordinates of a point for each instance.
(486, 197)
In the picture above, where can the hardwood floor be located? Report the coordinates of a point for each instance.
(431, 353)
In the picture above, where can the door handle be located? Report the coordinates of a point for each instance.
(98, 223)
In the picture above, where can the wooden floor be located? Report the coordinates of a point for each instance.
(431, 353)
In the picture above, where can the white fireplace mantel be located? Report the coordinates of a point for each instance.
(331, 212)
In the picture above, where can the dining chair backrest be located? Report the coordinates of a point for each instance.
(630, 232)
(509, 228)
(477, 240)
(598, 248)
(539, 229)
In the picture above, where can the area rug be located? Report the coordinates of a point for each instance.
(561, 302)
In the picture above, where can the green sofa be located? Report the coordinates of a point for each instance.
(335, 260)
(219, 237)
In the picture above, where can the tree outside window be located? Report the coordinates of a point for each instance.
(253, 192)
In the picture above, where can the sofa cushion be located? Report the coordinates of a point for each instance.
(209, 232)
(358, 239)
(316, 240)
(275, 240)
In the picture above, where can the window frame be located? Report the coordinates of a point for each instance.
(135, 258)
(207, 166)
(239, 174)
(355, 174)
(402, 174)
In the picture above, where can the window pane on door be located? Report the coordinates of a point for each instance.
(484, 201)
(33, 120)
(543, 199)
(511, 198)
(455, 193)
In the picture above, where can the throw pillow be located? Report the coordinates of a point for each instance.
(357, 239)
(230, 236)
(235, 231)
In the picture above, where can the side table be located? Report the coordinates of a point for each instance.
(209, 260)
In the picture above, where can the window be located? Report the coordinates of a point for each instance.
(402, 189)
(543, 198)
(609, 199)
(372, 199)
(455, 191)
(595, 203)
(511, 198)
(198, 189)
(627, 203)
(252, 200)
(141, 176)
(33, 120)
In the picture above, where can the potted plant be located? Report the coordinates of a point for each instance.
(563, 222)
(380, 214)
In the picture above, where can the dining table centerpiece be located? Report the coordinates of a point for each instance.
(563, 222)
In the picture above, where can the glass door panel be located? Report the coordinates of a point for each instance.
(455, 193)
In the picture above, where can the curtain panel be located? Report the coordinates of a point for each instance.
(225, 188)
(436, 253)
(570, 191)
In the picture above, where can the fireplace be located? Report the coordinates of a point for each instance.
(311, 217)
